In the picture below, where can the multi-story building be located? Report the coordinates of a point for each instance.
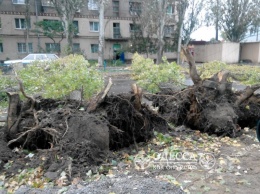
(119, 16)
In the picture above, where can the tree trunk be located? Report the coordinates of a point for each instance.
(13, 110)
(101, 33)
(160, 32)
(192, 67)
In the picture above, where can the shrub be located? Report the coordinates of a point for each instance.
(150, 76)
(248, 75)
(56, 79)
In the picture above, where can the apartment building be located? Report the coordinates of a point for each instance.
(119, 15)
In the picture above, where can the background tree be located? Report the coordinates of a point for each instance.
(27, 24)
(188, 21)
(234, 17)
(101, 32)
(153, 18)
(191, 20)
(66, 10)
(51, 29)
(213, 15)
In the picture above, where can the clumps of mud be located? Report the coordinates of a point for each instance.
(66, 137)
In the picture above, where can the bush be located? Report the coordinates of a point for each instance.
(56, 79)
(248, 75)
(150, 76)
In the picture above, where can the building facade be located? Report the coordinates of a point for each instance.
(119, 17)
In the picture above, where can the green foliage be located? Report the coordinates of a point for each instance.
(51, 28)
(150, 76)
(248, 75)
(209, 69)
(56, 79)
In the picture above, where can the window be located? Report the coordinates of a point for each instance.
(52, 47)
(20, 23)
(94, 26)
(76, 27)
(47, 3)
(115, 8)
(92, 5)
(94, 48)
(135, 28)
(18, 1)
(170, 9)
(116, 30)
(76, 47)
(135, 8)
(169, 49)
(1, 48)
(22, 47)
(168, 30)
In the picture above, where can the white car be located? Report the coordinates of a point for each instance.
(33, 57)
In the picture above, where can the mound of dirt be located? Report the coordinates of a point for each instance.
(64, 136)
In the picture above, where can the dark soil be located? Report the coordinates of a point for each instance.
(73, 141)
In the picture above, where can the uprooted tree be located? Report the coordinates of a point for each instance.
(210, 105)
(80, 131)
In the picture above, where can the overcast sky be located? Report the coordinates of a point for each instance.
(206, 33)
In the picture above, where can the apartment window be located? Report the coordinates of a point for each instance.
(170, 9)
(52, 47)
(116, 30)
(94, 26)
(169, 49)
(18, 1)
(135, 8)
(116, 8)
(20, 23)
(92, 5)
(76, 27)
(22, 48)
(94, 48)
(76, 47)
(1, 48)
(47, 3)
(168, 30)
(135, 28)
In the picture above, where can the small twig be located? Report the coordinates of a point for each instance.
(67, 128)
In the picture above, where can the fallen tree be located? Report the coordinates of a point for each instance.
(81, 132)
(210, 105)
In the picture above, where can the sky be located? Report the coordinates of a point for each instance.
(206, 33)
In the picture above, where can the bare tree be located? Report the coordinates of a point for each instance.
(188, 20)
(191, 20)
(66, 10)
(154, 18)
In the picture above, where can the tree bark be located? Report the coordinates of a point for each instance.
(101, 33)
(99, 98)
(248, 92)
(162, 5)
(192, 67)
(14, 109)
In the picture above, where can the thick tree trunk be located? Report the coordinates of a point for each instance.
(14, 109)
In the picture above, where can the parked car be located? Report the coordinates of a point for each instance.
(33, 57)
